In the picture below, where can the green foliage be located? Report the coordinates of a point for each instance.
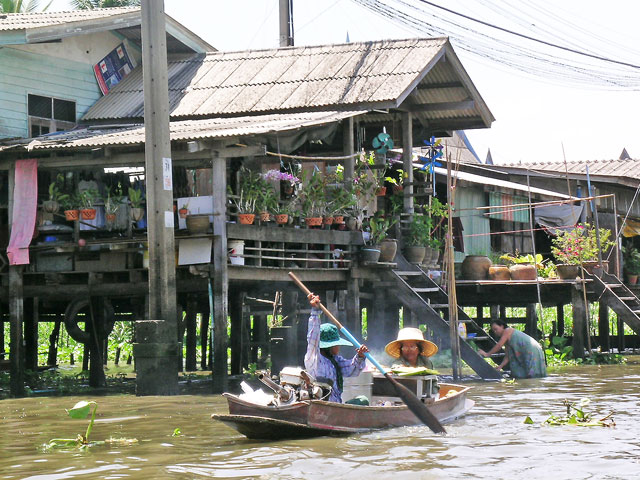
(631, 260)
(88, 198)
(176, 432)
(93, 4)
(114, 199)
(55, 189)
(379, 226)
(580, 245)
(577, 415)
(312, 195)
(70, 202)
(136, 197)
(546, 269)
(22, 6)
(419, 231)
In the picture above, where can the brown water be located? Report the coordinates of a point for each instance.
(490, 442)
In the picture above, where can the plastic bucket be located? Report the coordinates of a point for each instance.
(236, 250)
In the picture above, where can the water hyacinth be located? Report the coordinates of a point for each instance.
(282, 176)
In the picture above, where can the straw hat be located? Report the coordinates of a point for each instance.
(427, 348)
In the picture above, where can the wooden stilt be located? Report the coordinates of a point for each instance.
(603, 327)
(579, 323)
(31, 334)
(560, 317)
(190, 327)
(236, 302)
(16, 314)
(204, 338)
(531, 327)
(52, 357)
(95, 327)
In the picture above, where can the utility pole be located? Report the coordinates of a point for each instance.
(156, 352)
(286, 23)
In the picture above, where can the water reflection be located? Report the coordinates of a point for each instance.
(490, 442)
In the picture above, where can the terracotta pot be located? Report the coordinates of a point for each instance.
(381, 191)
(246, 218)
(594, 267)
(567, 271)
(88, 213)
(197, 224)
(327, 221)
(397, 188)
(137, 213)
(110, 217)
(388, 249)
(313, 221)
(265, 216)
(475, 267)
(523, 271)
(72, 215)
(183, 212)
(50, 206)
(499, 272)
(632, 279)
(414, 253)
(370, 254)
(282, 218)
(338, 219)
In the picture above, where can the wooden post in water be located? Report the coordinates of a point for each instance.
(603, 327)
(219, 274)
(16, 314)
(560, 317)
(191, 335)
(236, 302)
(31, 334)
(157, 360)
(579, 321)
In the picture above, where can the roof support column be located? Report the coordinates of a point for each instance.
(407, 161)
(348, 149)
(158, 359)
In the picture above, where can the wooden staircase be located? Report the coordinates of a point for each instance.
(618, 297)
(424, 297)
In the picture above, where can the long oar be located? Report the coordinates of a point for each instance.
(418, 408)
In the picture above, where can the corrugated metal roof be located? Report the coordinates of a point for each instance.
(20, 21)
(604, 168)
(373, 74)
(180, 131)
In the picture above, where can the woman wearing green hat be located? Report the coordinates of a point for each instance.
(322, 359)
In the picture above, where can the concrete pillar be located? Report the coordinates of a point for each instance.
(16, 314)
(154, 359)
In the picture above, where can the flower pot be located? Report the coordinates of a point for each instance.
(397, 188)
(381, 191)
(281, 218)
(523, 271)
(594, 267)
(414, 253)
(475, 267)
(338, 219)
(499, 272)
(197, 224)
(632, 279)
(369, 254)
(265, 216)
(567, 271)
(428, 256)
(313, 221)
(183, 212)
(246, 218)
(88, 213)
(388, 249)
(110, 217)
(50, 206)
(327, 220)
(137, 213)
(72, 215)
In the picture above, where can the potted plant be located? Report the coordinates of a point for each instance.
(245, 208)
(379, 226)
(417, 238)
(55, 195)
(281, 212)
(70, 205)
(631, 264)
(573, 248)
(112, 203)
(266, 199)
(87, 201)
(136, 199)
(183, 211)
(313, 199)
(523, 267)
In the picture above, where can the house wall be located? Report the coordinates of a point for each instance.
(473, 222)
(62, 70)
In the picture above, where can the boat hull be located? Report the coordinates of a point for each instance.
(317, 417)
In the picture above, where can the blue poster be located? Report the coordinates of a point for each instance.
(113, 68)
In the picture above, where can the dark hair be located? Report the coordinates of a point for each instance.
(499, 322)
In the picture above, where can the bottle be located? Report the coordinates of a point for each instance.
(462, 329)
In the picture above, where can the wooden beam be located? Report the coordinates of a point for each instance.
(440, 86)
(443, 106)
(219, 275)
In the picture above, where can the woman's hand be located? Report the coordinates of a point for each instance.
(362, 350)
(314, 300)
(483, 353)
(498, 367)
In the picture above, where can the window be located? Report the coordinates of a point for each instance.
(48, 114)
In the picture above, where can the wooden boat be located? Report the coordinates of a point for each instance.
(313, 418)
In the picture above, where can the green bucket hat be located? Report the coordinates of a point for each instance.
(329, 336)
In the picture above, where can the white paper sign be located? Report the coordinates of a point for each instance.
(168, 219)
(195, 250)
(167, 174)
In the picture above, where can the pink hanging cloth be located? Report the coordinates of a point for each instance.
(25, 205)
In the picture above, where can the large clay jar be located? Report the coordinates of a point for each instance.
(414, 253)
(523, 271)
(388, 249)
(475, 267)
(568, 272)
(595, 268)
(499, 272)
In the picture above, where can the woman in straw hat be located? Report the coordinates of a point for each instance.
(323, 346)
(411, 349)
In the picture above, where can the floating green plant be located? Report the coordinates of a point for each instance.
(576, 415)
(79, 411)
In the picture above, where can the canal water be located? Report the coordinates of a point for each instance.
(492, 441)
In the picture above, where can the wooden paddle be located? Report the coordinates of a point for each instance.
(418, 408)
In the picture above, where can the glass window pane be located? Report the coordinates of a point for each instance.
(40, 106)
(64, 110)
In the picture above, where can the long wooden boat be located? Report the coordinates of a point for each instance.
(313, 418)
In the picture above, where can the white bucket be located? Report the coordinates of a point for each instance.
(236, 250)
